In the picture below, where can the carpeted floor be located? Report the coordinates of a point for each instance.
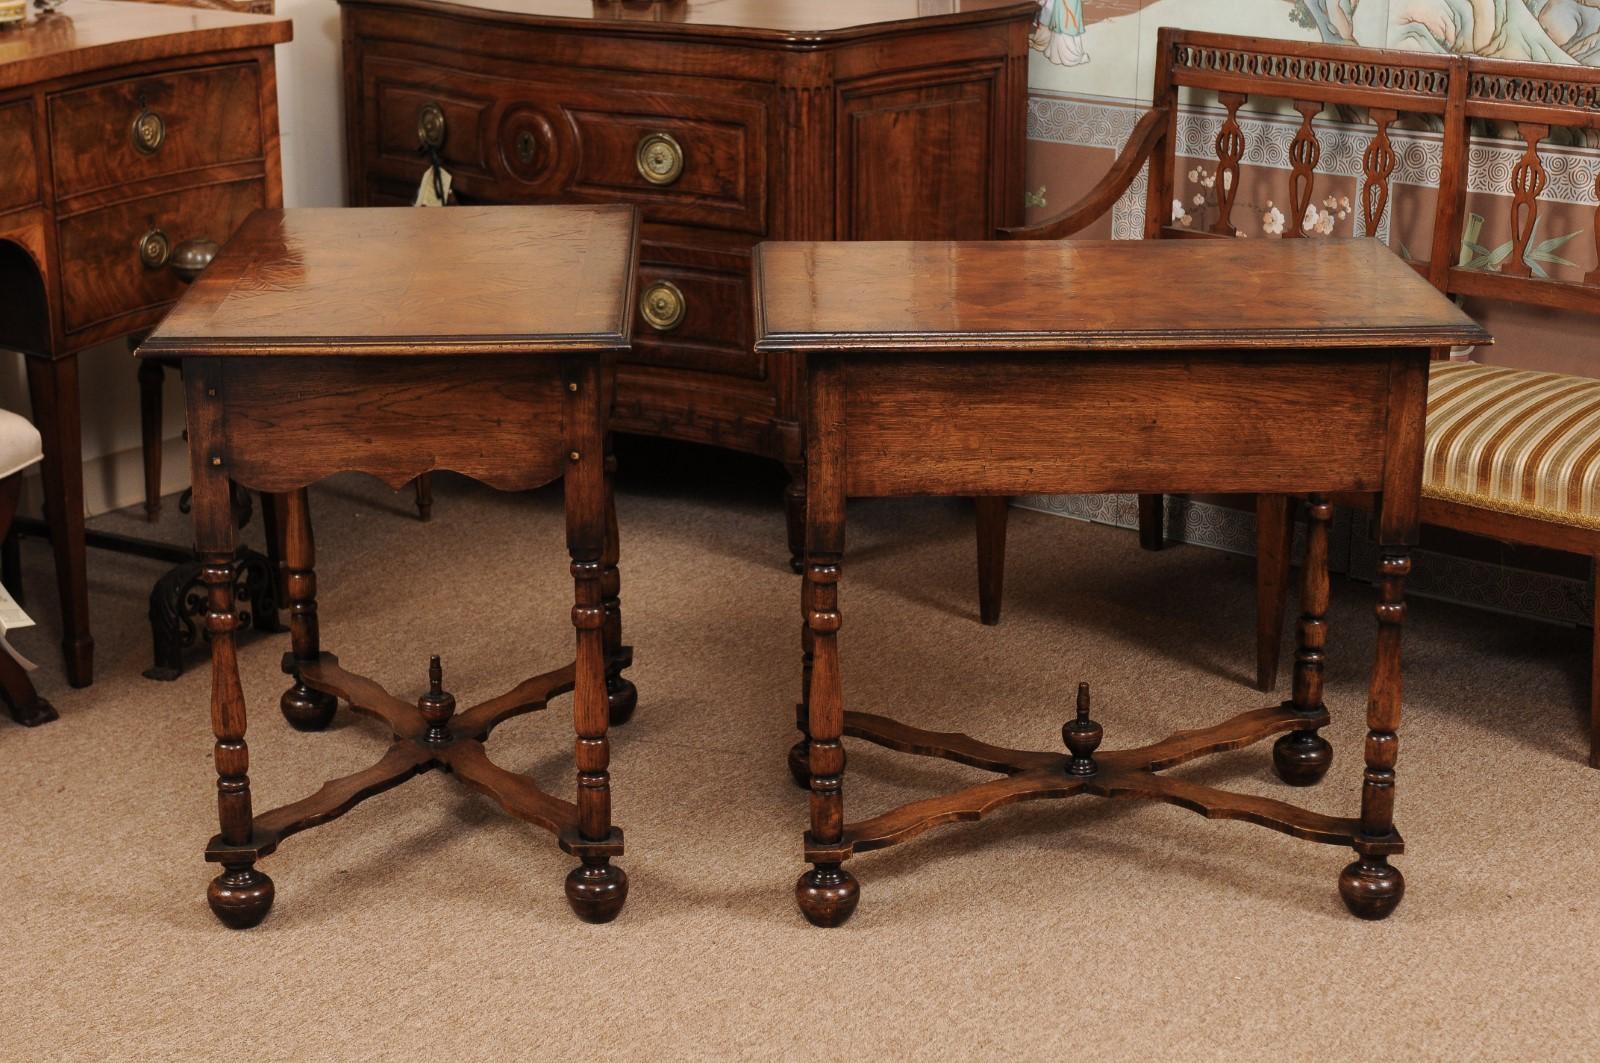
(426, 924)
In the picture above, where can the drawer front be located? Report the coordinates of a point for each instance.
(19, 163)
(151, 126)
(103, 274)
(684, 150)
(694, 311)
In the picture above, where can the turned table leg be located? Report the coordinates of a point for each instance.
(621, 695)
(827, 893)
(596, 888)
(240, 896)
(1302, 757)
(1371, 888)
(304, 708)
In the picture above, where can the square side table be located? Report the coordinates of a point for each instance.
(1174, 366)
(395, 342)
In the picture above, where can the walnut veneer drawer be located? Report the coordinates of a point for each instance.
(104, 274)
(684, 150)
(145, 127)
(19, 164)
(694, 311)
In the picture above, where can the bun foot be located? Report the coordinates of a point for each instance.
(622, 697)
(597, 892)
(240, 896)
(827, 895)
(1371, 888)
(307, 709)
(1302, 758)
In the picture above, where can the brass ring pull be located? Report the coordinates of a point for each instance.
(430, 125)
(663, 306)
(149, 132)
(154, 249)
(659, 158)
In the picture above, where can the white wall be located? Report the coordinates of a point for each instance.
(311, 113)
(311, 125)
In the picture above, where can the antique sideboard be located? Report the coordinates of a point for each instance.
(726, 123)
(131, 135)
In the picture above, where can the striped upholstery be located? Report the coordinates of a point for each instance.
(1514, 441)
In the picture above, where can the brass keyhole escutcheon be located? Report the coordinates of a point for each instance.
(663, 306)
(430, 125)
(154, 249)
(149, 132)
(527, 147)
(659, 158)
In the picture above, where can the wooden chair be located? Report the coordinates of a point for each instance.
(1511, 456)
(20, 448)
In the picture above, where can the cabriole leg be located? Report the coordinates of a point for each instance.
(1370, 887)
(1302, 757)
(304, 708)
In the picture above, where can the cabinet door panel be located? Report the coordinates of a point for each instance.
(914, 161)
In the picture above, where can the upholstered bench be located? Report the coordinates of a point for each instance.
(20, 449)
(1515, 442)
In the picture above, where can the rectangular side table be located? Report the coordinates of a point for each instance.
(395, 342)
(1002, 369)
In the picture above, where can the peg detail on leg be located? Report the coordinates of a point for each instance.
(1082, 736)
(1303, 757)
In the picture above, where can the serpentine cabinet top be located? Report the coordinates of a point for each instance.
(92, 34)
(781, 21)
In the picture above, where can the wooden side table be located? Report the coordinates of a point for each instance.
(395, 342)
(129, 133)
(1282, 366)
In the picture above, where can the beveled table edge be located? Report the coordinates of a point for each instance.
(1045, 341)
(443, 346)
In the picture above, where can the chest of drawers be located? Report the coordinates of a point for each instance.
(126, 132)
(727, 123)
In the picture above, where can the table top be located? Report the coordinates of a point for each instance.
(413, 281)
(781, 20)
(92, 34)
(1098, 295)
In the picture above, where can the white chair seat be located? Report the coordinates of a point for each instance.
(20, 445)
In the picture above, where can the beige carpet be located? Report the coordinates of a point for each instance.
(426, 924)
